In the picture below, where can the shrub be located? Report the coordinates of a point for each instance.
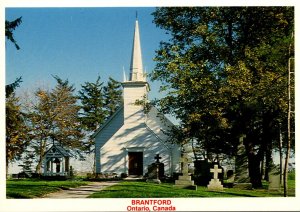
(124, 175)
(291, 175)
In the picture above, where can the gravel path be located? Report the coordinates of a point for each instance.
(80, 192)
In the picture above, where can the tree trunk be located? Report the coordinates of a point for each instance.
(6, 167)
(269, 161)
(254, 170)
(267, 143)
(285, 174)
(41, 157)
(280, 155)
(262, 167)
(288, 146)
(254, 160)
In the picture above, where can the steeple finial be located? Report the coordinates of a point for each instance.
(136, 66)
(136, 15)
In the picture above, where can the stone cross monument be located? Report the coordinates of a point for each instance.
(185, 181)
(215, 183)
(241, 178)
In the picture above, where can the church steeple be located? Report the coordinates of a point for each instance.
(136, 88)
(136, 65)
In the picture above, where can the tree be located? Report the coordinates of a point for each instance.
(16, 138)
(224, 70)
(113, 96)
(67, 130)
(16, 129)
(54, 120)
(10, 26)
(92, 114)
(98, 103)
(10, 88)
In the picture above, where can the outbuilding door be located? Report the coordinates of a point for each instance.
(135, 163)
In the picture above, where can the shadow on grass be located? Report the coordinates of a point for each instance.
(224, 194)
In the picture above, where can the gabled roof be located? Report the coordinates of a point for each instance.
(60, 149)
(107, 122)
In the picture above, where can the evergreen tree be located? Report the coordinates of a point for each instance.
(10, 88)
(10, 26)
(92, 113)
(67, 130)
(112, 96)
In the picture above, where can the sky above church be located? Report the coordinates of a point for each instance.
(78, 44)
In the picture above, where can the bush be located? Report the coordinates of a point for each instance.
(124, 175)
(291, 175)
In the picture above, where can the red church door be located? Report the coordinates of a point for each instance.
(135, 163)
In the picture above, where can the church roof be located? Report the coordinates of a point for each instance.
(107, 121)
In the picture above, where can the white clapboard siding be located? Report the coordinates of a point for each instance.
(109, 129)
(132, 92)
(159, 124)
(114, 153)
(116, 139)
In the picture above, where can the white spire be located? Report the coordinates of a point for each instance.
(124, 75)
(136, 66)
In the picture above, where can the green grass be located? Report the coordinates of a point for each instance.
(27, 189)
(126, 189)
(129, 189)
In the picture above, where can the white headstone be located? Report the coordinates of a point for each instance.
(274, 182)
(215, 184)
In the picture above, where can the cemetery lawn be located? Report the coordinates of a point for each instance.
(30, 188)
(128, 189)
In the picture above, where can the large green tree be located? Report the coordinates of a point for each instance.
(53, 118)
(112, 96)
(92, 113)
(16, 129)
(225, 71)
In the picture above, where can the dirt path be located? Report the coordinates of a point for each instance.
(80, 192)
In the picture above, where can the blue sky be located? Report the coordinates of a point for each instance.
(78, 44)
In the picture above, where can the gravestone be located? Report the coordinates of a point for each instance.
(274, 180)
(230, 176)
(185, 181)
(241, 178)
(202, 174)
(156, 171)
(229, 173)
(229, 179)
(215, 183)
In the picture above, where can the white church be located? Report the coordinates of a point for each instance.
(128, 142)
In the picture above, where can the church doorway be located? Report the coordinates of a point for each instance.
(135, 163)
